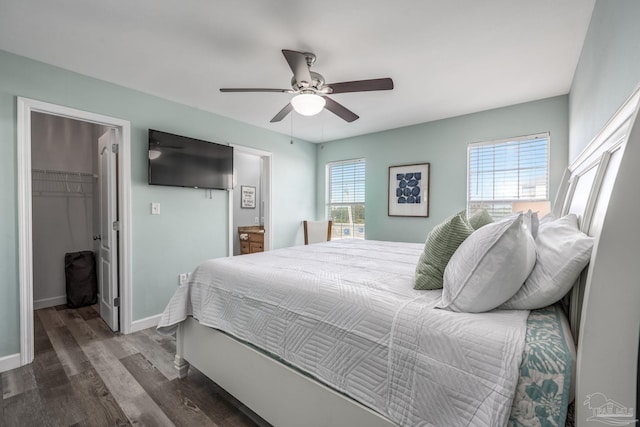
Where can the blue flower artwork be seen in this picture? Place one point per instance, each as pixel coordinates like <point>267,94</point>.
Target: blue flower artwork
<point>408,187</point>
<point>409,190</point>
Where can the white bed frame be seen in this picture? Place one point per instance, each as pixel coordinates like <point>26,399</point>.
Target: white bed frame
<point>602,187</point>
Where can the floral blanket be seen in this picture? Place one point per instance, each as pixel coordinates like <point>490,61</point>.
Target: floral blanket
<point>545,372</point>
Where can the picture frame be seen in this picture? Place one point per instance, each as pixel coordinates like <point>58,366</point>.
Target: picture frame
<point>247,197</point>
<point>409,190</point>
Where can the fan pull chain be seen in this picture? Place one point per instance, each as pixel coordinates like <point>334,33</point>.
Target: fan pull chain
<point>291,130</point>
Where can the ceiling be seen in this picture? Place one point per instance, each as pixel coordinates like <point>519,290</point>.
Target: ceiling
<point>446,57</point>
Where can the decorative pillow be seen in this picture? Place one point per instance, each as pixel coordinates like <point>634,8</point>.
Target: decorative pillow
<point>480,219</point>
<point>563,252</point>
<point>489,267</point>
<point>441,243</point>
<point>547,219</point>
<point>532,222</point>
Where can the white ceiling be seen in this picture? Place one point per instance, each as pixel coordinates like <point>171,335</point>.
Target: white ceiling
<point>446,57</point>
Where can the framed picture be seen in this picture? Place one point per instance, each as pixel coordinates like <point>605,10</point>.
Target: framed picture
<point>409,190</point>
<point>247,197</point>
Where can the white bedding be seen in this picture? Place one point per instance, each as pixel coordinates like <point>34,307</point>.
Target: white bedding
<point>346,313</point>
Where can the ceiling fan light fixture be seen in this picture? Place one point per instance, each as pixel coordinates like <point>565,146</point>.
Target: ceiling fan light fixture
<point>308,104</point>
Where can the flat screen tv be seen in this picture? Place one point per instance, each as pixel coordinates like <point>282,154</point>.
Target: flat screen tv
<point>180,161</point>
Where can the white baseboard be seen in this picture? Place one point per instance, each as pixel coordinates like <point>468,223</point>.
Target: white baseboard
<point>147,322</point>
<point>9,362</point>
<point>49,302</point>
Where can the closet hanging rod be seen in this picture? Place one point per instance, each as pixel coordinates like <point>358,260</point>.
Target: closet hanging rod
<point>47,171</point>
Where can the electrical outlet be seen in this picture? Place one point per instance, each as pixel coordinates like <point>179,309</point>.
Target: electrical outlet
<point>256,220</point>
<point>183,278</point>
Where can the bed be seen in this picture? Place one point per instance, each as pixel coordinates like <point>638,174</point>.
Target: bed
<point>392,358</point>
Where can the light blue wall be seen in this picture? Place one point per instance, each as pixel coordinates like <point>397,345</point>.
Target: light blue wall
<point>192,226</point>
<point>443,144</point>
<point>608,70</point>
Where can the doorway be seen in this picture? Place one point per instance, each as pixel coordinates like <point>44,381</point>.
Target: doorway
<point>114,165</point>
<point>252,169</point>
<point>65,206</point>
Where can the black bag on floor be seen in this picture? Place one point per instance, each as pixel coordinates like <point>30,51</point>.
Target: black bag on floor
<point>82,282</point>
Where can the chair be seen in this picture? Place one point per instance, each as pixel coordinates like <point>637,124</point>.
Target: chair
<point>316,231</point>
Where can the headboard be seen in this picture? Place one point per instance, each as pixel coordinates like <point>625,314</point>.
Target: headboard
<point>602,187</point>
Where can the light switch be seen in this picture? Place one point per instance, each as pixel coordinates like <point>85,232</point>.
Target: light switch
<point>155,208</point>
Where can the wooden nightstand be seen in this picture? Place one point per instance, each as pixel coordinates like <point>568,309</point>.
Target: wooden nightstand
<point>255,239</point>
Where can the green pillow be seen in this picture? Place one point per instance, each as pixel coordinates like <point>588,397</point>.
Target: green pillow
<point>441,243</point>
<point>480,219</point>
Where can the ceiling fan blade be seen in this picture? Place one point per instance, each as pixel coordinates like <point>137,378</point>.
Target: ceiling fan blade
<point>283,113</point>
<point>298,64</point>
<point>340,110</point>
<point>362,85</point>
<point>254,89</point>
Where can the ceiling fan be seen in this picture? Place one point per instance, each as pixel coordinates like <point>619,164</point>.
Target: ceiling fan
<point>311,90</point>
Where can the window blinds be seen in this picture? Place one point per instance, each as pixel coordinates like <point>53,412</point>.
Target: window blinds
<point>346,198</point>
<point>507,171</point>
<point>346,182</point>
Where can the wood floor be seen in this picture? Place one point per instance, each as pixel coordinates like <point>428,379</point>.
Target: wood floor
<point>84,375</point>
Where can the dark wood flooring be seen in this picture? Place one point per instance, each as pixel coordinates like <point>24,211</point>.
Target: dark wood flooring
<point>85,375</point>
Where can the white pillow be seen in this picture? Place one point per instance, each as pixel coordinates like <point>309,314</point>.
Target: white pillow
<point>489,266</point>
<point>563,252</point>
<point>532,221</point>
<point>547,219</point>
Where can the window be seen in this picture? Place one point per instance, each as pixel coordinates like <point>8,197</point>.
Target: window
<point>509,175</point>
<point>345,198</point>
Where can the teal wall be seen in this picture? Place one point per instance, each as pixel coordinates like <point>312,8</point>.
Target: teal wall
<point>192,226</point>
<point>608,70</point>
<point>443,144</point>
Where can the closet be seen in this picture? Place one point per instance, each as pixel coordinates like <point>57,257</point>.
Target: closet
<point>65,205</point>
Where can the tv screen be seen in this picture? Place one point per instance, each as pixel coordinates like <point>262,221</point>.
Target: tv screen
<point>186,162</point>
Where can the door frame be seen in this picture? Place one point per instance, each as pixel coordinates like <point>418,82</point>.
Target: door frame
<point>25,107</point>
<point>266,177</point>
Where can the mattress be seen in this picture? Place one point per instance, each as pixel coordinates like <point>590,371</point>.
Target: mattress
<point>346,313</point>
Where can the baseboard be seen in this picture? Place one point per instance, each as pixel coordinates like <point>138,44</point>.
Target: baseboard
<point>9,362</point>
<point>49,302</point>
<point>147,322</point>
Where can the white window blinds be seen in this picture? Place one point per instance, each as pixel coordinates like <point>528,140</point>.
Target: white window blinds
<point>509,175</point>
<point>346,198</point>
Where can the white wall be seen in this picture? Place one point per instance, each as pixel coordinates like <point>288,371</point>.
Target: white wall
<point>63,212</point>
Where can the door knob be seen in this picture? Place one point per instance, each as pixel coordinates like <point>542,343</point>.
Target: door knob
<point>97,237</point>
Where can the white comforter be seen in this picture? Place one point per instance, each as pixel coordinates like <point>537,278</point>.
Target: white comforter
<point>346,313</point>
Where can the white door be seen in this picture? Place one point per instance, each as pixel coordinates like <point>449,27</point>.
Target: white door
<point>108,254</point>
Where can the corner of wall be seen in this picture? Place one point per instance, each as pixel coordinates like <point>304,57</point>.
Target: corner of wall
<point>607,71</point>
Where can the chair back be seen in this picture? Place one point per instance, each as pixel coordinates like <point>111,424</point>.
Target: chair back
<point>316,231</point>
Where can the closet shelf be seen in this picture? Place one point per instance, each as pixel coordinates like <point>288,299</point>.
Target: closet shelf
<point>62,182</point>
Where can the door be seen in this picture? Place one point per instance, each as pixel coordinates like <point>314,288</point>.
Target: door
<point>108,253</point>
